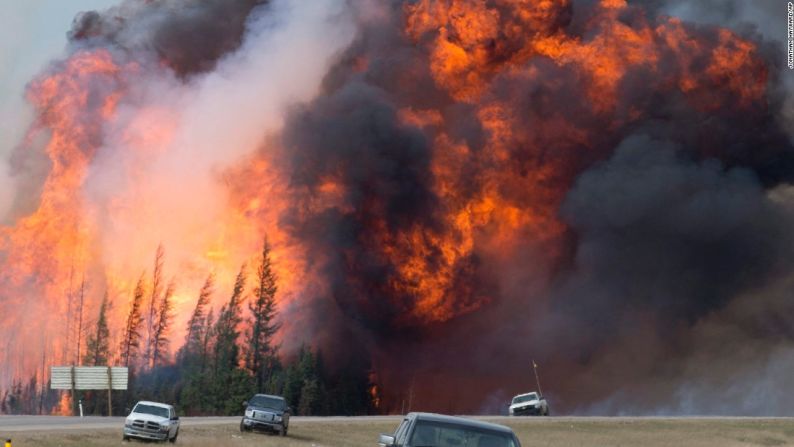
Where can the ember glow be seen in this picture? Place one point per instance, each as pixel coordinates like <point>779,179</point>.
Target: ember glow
<point>451,188</point>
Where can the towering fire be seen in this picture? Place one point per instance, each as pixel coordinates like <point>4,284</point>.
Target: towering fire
<point>452,188</point>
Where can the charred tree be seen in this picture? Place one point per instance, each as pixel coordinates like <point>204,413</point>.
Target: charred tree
<point>131,342</point>
<point>160,341</point>
<point>81,301</point>
<point>154,304</point>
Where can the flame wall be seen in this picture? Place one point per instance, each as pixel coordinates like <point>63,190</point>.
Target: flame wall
<point>452,189</point>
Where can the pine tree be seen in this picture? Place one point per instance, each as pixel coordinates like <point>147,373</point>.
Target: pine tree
<point>259,341</point>
<point>162,326</point>
<point>194,396</point>
<point>131,342</point>
<point>294,378</point>
<point>98,343</point>
<point>209,336</point>
<point>276,379</point>
<point>311,393</point>
<point>310,397</point>
<point>231,384</point>
<point>197,322</point>
<point>97,354</point>
<point>227,330</point>
<point>154,304</point>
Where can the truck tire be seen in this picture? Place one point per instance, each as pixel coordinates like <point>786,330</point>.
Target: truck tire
<point>243,428</point>
<point>125,438</point>
<point>173,440</point>
<point>282,431</point>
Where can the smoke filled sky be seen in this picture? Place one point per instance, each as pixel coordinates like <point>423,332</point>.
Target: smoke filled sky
<point>452,188</point>
<point>32,34</point>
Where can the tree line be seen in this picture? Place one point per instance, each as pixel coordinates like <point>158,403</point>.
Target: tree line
<point>227,355</point>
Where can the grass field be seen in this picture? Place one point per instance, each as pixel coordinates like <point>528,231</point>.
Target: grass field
<point>646,432</point>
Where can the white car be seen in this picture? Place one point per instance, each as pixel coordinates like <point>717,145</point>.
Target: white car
<point>152,420</point>
<point>529,404</point>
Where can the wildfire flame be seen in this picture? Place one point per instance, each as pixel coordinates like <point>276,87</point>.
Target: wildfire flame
<point>491,200</point>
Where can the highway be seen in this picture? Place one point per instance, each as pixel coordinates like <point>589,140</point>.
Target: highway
<point>50,423</point>
<point>47,423</point>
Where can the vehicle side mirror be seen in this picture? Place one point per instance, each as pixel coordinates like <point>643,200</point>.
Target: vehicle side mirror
<point>385,440</point>
<point>127,409</point>
<point>245,403</point>
<point>175,418</point>
<point>288,410</point>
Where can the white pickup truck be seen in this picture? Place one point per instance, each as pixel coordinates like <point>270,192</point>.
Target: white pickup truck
<point>529,404</point>
<point>153,421</point>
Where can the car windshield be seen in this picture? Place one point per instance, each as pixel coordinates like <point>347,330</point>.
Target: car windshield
<point>525,398</point>
<point>267,402</point>
<point>445,434</point>
<point>151,409</point>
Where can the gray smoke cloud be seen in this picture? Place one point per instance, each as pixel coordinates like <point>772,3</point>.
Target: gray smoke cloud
<point>673,223</point>
<point>670,280</point>
<point>669,290</point>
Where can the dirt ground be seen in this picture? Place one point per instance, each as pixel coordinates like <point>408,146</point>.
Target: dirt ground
<point>616,432</point>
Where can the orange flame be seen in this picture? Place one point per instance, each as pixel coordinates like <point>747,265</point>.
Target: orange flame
<point>492,201</point>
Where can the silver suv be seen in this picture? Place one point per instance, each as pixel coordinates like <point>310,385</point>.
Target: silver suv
<point>266,412</point>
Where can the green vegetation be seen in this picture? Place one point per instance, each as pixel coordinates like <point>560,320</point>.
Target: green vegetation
<point>224,360</point>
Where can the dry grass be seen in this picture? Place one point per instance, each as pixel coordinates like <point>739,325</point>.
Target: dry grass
<point>532,432</point>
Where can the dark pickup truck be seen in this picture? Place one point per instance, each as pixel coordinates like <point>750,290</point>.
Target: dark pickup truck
<point>266,412</point>
<point>431,430</point>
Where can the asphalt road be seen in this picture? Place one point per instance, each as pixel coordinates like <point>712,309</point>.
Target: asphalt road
<point>50,423</point>
<point>46,423</point>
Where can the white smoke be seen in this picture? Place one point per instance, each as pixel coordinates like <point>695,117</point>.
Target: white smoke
<point>159,176</point>
<point>32,34</point>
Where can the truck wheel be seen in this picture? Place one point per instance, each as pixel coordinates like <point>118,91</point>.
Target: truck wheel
<point>282,431</point>
<point>125,438</point>
<point>285,430</point>
<point>243,428</point>
<point>173,440</point>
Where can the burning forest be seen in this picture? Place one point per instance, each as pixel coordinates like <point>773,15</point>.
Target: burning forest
<point>449,189</point>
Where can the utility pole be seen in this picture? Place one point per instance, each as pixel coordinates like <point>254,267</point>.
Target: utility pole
<point>537,379</point>
<point>110,391</point>
<point>74,397</point>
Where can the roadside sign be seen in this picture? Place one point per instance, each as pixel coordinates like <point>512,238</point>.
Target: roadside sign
<point>89,377</point>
